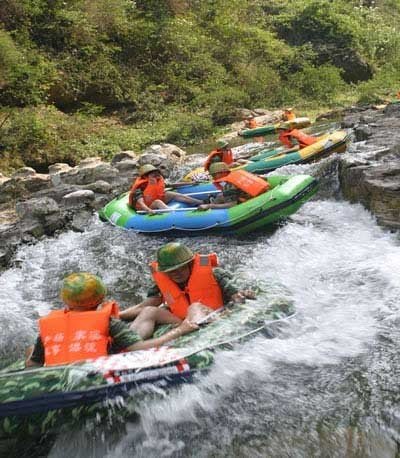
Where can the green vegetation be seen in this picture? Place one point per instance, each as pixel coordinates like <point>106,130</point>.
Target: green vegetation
<point>83,77</point>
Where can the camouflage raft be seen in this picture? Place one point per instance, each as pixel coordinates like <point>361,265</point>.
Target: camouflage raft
<point>37,401</point>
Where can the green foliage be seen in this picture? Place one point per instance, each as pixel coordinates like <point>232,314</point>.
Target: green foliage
<point>382,88</point>
<point>189,129</point>
<point>321,84</point>
<point>176,70</point>
<point>25,76</point>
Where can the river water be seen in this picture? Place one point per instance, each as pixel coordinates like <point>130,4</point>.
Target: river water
<point>325,386</point>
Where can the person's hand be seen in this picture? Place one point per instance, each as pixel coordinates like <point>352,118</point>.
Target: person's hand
<point>241,296</point>
<point>203,207</point>
<point>187,326</point>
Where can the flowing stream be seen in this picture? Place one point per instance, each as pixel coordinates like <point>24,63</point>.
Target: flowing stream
<point>326,385</point>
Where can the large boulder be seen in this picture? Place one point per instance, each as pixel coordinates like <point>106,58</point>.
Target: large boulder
<point>38,207</point>
<point>376,187</point>
<point>393,109</point>
<point>22,184</point>
<point>124,156</point>
<point>88,171</point>
<point>39,216</point>
<point>79,198</point>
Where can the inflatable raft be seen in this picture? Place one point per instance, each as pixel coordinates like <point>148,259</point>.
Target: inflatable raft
<point>296,123</point>
<point>286,195</point>
<point>271,159</point>
<point>37,401</point>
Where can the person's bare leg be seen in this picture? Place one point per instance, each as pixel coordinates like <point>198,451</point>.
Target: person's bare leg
<point>147,319</point>
<point>169,195</point>
<point>158,204</point>
<point>197,312</point>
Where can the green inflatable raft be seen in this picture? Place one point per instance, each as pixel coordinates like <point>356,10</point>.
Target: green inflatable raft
<point>296,123</point>
<point>39,401</point>
<point>285,196</point>
<point>269,160</point>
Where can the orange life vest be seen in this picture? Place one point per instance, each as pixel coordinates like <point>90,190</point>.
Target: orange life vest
<point>69,336</point>
<point>304,140</point>
<point>289,115</point>
<point>201,287</point>
<point>226,156</point>
<point>251,184</point>
<point>151,191</point>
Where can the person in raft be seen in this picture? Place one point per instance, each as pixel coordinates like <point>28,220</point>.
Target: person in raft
<point>237,186</point>
<point>295,139</point>
<point>88,328</point>
<point>190,284</point>
<point>288,114</point>
<point>250,122</point>
<point>222,153</point>
<point>148,191</point>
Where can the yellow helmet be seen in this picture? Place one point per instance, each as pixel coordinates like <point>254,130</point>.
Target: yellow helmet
<point>218,167</point>
<point>147,168</point>
<point>82,289</point>
<point>172,256</point>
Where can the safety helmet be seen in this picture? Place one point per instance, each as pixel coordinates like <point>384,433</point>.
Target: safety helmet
<point>218,167</point>
<point>172,256</point>
<point>222,144</point>
<point>82,289</point>
<point>147,168</point>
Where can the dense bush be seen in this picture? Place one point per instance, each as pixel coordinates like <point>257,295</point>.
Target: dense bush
<point>176,70</point>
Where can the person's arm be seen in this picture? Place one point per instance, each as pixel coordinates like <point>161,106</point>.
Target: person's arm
<point>230,292</point>
<point>35,358</point>
<point>132,312</point>
<point>184,328</point>
<point>142,205</point>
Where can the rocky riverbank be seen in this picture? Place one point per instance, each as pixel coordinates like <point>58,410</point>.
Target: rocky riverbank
<point>34,205</point>
<point>371,173</point>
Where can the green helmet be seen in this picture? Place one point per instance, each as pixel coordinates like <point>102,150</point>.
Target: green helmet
<point>172,256</point>
<point>82,289</point>
<point>222,144</point>
<point>147,168</point>
<point>218,167</point>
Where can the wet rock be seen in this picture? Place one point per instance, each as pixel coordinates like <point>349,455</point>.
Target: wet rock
<point>78,198</point>
<point>100,201</point>
<point>58,168</point>
<point>39,216</point>
<point>127,166</point>
<point>377,187</point>
<point>366,119</point>
<point>20,186</point>
<point>81,220</point>
<point>392,109</point>
<point>101,187</point>
<point>347,124</point>
<point>88,172</point>
<point>89,161</point>
<point>362,133</point>
<point>36,208</point>
<point>124,156</point>
<point>24,172</point>
<point>173,153</point>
